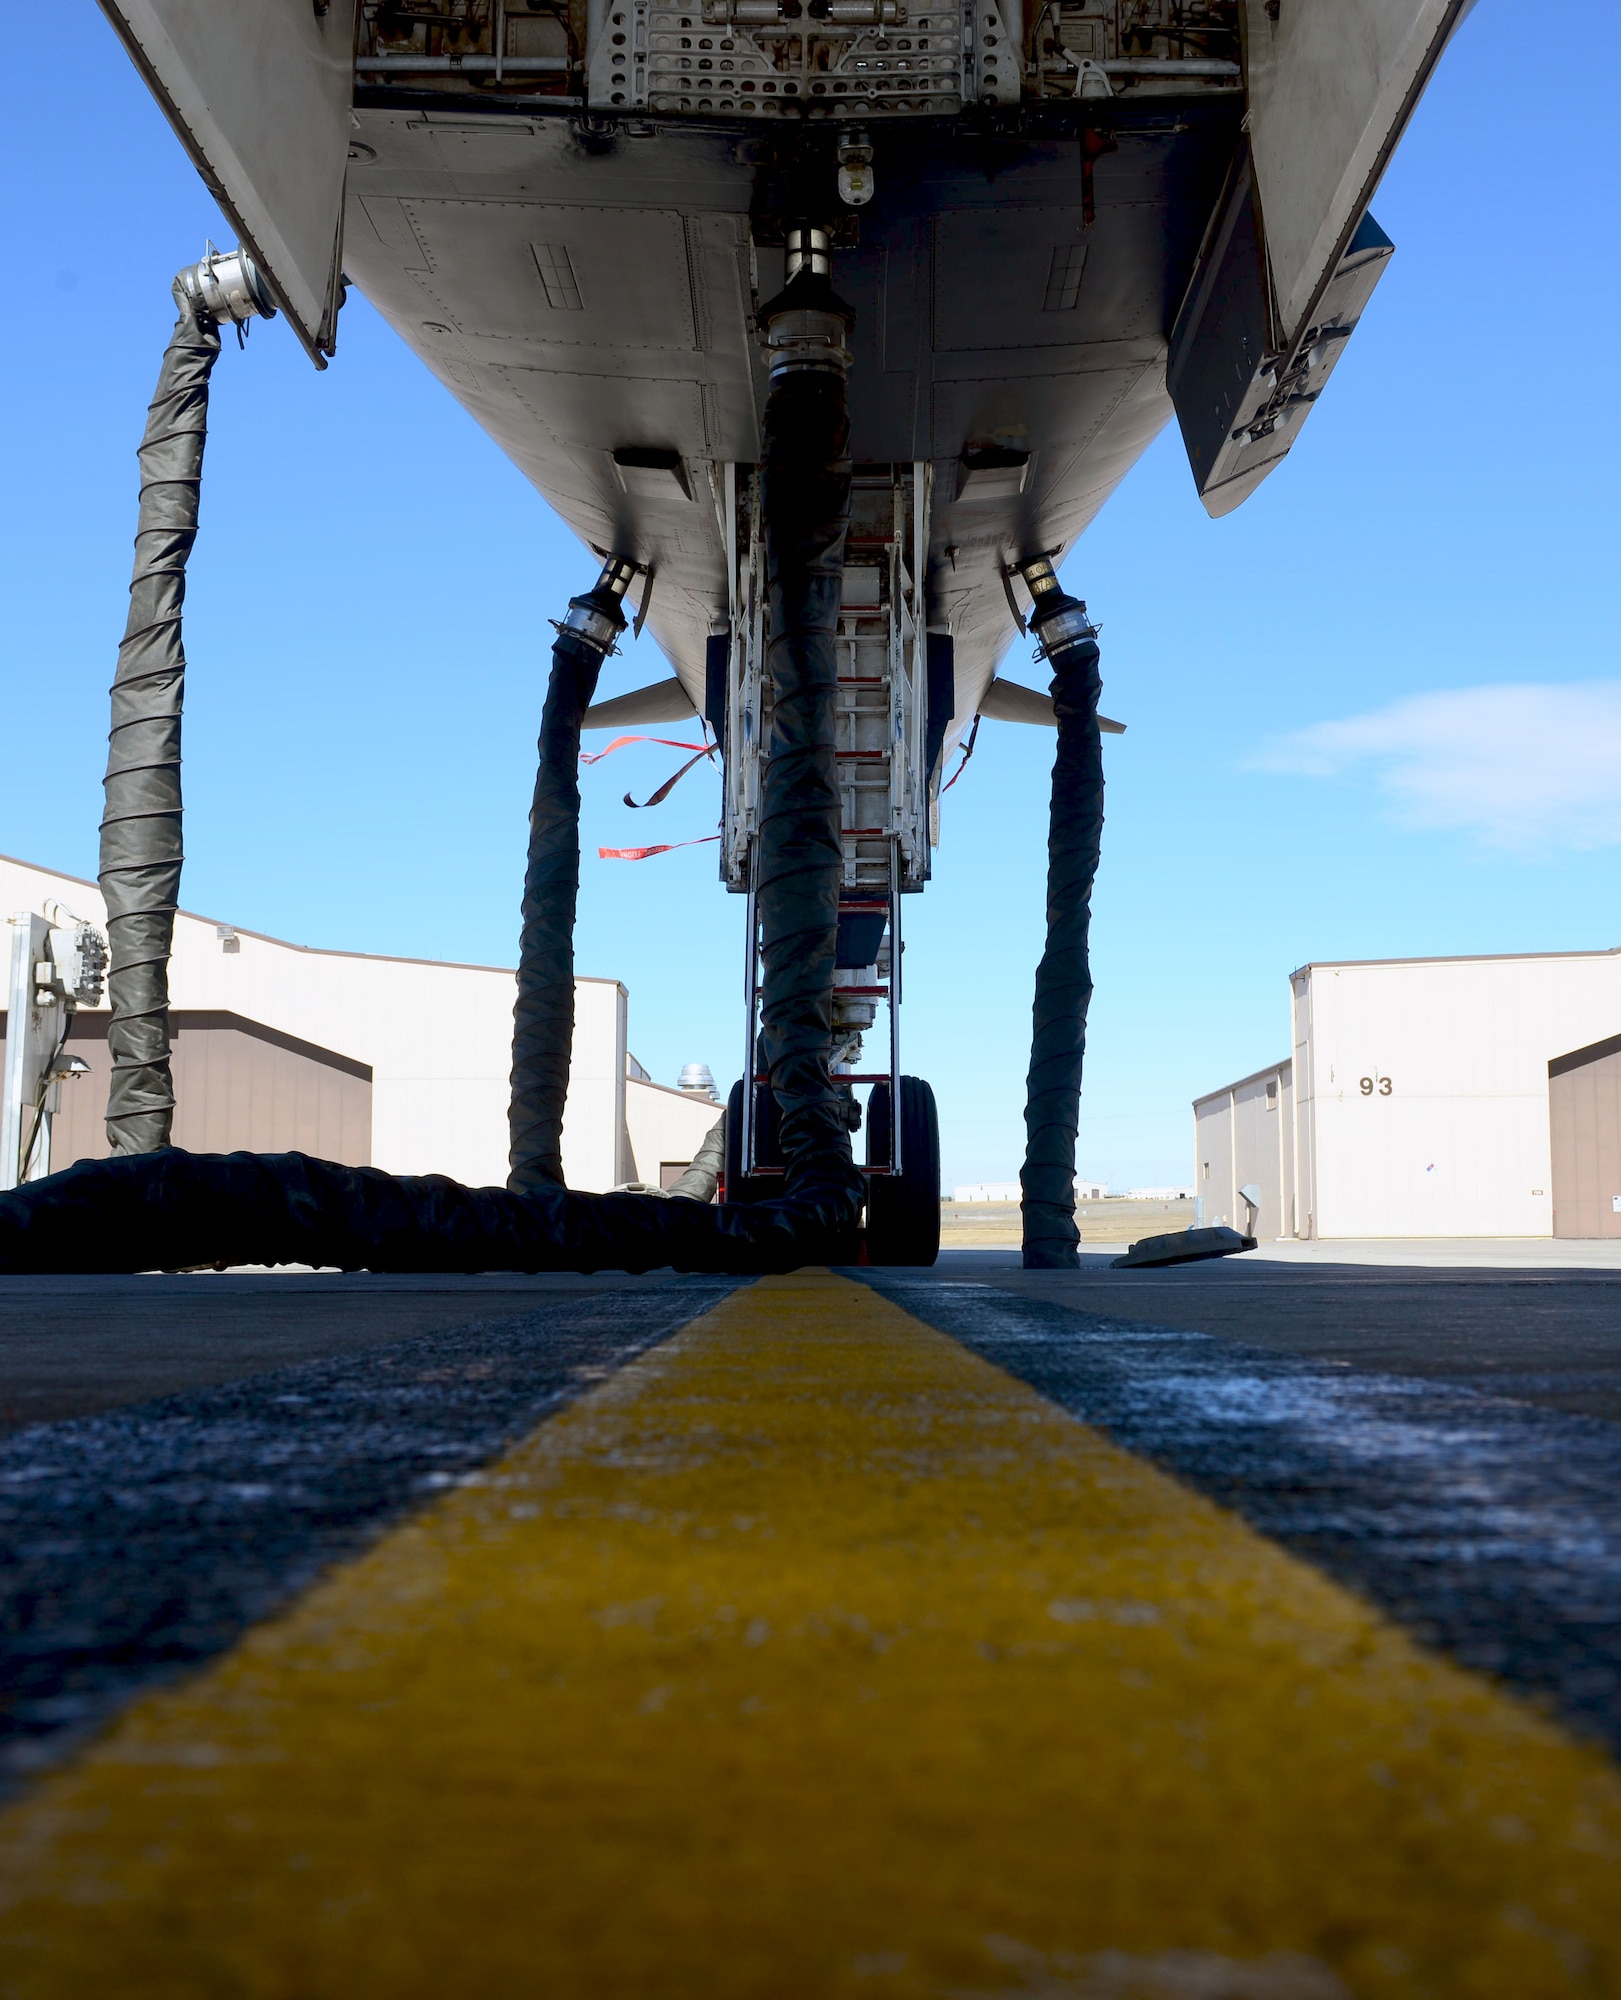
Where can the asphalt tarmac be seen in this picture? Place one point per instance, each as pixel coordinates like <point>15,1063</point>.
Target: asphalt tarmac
<point>946,1635</point>
<point>72,1346</point>
<point>187,1453</point>
<point>189,1486</point>
<point>1551,1337</point>
<point>1443,1442</point>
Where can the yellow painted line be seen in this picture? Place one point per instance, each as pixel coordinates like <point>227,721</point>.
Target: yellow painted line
<point>813,1656</point>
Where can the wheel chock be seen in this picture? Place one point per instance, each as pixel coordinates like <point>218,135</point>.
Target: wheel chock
<point>1184,1246</point>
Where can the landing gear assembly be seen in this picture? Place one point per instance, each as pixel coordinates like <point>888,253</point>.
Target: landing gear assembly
<point>903,1181</point>
<point>891,689</point>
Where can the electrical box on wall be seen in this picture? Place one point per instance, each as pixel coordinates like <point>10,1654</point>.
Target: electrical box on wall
<point>55,963</point>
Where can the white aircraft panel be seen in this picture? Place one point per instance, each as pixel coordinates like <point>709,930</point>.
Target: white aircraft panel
<point>260,93</point>
<point>1331,86</point>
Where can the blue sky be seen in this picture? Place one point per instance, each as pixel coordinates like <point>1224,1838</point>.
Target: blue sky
<point>1377,712</point>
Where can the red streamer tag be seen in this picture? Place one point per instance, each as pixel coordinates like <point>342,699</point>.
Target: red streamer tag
<point>669,784</point>
<point>968,751</point>
<point>646,853</point>
<point>619,742</point>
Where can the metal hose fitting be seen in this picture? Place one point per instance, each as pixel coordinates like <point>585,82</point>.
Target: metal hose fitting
<point>598,618</point>
<point>807,325</point>
<point>1058,621</point>
<point>809,250</point>
<point>226,285</point>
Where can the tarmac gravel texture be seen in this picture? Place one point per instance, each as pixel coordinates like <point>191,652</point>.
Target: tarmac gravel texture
<point>139,1542</point>
<point>72,1346</point>
<point>1550,1337</point>
<point>1488,1526</point>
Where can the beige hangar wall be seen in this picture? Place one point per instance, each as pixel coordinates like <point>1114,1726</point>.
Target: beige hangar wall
<point>435,1037</point>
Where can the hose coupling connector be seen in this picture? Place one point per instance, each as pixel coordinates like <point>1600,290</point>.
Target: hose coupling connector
<point>1058,622</point>
<point>807,340</point>
<point>598,617</point>
<point>807,325</point>
<point>225,286</point>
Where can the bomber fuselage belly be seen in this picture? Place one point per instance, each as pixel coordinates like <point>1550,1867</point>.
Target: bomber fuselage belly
<point>1055,224</point>
<point>591,298</point>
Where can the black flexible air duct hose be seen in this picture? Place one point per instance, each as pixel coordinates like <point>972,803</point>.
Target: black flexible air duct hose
<point>806,504</point>
<point>1064,976</point>
<point>174,1210</point>
<point>141,841</point>
<point>543,1019</point>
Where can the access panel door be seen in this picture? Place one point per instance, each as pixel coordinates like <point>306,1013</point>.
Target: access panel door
<point>1331,86</point>
<point>260,93</point>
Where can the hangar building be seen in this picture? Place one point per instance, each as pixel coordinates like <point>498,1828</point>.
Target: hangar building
<point>1434,1097</point>
<point>391,1062</point>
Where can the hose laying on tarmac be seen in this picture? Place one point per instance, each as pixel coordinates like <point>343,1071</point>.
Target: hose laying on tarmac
<point>174,1210</point>
<point>1064,976</point>
<point>702,1176</point>
<point>543,1019</point>
<point>141,827</point>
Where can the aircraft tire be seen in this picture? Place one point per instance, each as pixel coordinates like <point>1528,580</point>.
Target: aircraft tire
<point>903,1210</point>
<point>767,1146</point>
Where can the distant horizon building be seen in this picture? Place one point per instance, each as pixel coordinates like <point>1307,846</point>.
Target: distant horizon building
<point>1085,1190</point>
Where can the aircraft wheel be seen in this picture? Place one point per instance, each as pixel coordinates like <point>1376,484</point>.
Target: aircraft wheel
<point>767,1146</point>
<point>903,1210</point>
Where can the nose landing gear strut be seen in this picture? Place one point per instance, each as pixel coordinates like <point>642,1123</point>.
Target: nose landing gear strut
<point>828,701</point>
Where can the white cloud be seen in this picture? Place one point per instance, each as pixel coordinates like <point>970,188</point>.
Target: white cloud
<point>1518,767</point>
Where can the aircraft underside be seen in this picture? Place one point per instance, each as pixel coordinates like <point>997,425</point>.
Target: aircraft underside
<point>829,325</point>
<point>439,1621</point>
<point>592,298</point>
<point>1056,222</point>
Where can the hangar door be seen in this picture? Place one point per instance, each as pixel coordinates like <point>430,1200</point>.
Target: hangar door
<point>1584,1117</point>
<point>238,1086</point>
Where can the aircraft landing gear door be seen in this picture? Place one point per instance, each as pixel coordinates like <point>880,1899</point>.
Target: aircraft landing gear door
<point>1330,91</point>
<point>260,93</point>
